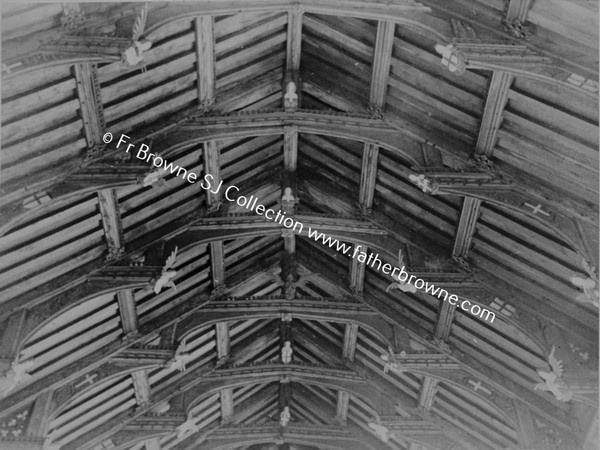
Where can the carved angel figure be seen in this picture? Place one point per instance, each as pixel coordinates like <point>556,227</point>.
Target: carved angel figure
<point>166,276</point>
<point>285,416</point>
<point>404,287</point>
<point>17,374</point>
<point>453,59</point>
<point>553,381</point>
<point>152,178</point>
<point>423,183</point>
<point>189,426</point>
<point>589,285</point>
<point>287,201</point>
<point>290,98</point>
<point>134,54</point>
<point>382,432</point>
<point>180,359</point>
<point>391,362</point>
<point>286,352</point>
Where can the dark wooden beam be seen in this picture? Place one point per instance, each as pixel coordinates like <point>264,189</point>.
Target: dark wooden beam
<point>90,102</point>
<point>351,438</point>
<point>294,40</point>
<point>205,60</point>
<point>518,10</point>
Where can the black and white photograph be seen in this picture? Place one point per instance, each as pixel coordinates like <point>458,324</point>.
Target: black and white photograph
<point>299,225</point>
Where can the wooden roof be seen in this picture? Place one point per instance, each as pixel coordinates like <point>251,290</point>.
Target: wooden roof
<point>93,358</point>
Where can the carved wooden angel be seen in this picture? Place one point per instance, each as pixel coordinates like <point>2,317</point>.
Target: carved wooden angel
<point>391,362</point>
<point>166,276</point>
<point>153,178</point>
<point>553,381</point>
<point>286,352</point>
<point>423,183</point>
<point>382,432</point>
<point>285,416</point>
<point>15,375</point>
<point>288,201</point>
<point>290,98</point>
<point>134,54</point>
<point>589,285</point>
<point>403,286</point>
<point>454,60</point>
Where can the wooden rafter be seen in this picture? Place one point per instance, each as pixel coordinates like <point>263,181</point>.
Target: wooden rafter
<point>518,10</point>
<point>212,166</point>
<point>205,60</point>
<point>379,81</point>
<point>294,40</point>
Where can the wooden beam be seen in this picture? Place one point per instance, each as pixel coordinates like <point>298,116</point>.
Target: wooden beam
<point>152,444</point>
<point>518,10</point>
<point>141,387</point>
<point>382,58</point>
<point>506,388</point>
<point>89,363</point>
<point>350,438</point>
<point>111,222</point>
<point>368,177</point>
<point>128,311</point>
<point>39,415</point>
<point>294,40</point>
<point>444,323</point>
<point>491,119</point>
<point>205,60</point>
<point>427,393</point>
<point>113,231</point>
<point>349,346</point>
<point>90,102</point>
<point>466,227</point>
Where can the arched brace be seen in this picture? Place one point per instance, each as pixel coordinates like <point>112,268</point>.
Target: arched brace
<point>84,48</point>
<point>40,315</point>
<point>319,436</point>
<point>83,181</point>
<point>459,378</point>
<point>414,16</point>
<point>342,380</point>
<point>385,244</point>
<point>335,311</point>
<point>125,439</point>
<point>333,444</point>
<point>79,184</point>
<point>105,374</point>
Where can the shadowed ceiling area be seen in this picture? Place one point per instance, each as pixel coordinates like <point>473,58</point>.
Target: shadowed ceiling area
<point>142,311</point>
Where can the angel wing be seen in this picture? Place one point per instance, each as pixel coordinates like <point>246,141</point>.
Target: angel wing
<point>556,365</point>
<point>583,283</point>
<point>400,258</point>
<point>171,260</point>
<point>140,24</point>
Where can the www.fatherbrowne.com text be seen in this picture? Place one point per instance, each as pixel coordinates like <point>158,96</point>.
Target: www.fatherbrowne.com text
<point>251,203</point>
